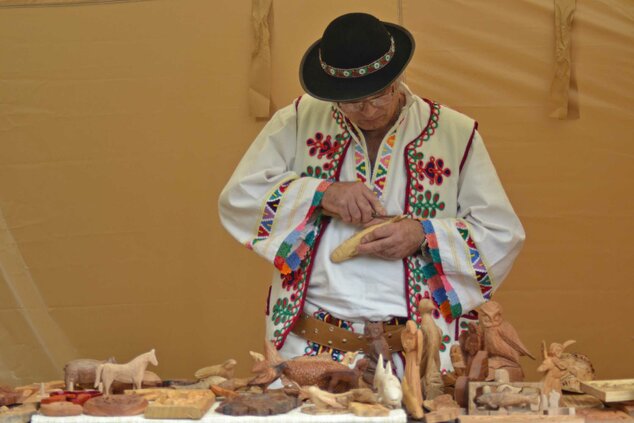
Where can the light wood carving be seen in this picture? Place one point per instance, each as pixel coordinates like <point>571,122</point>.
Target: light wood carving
<point>348,248</point>
<point>224,370</point>
<point>414,409</point>
<point>180,404</point>
<point>432,385</point>
<point>501,342</point>
<point>387,385</point>
<point>133,370</point>
<point>412,340</point>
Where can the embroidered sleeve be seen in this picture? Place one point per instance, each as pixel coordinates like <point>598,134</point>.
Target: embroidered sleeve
<point>266,205</point>
<point>472,253</point>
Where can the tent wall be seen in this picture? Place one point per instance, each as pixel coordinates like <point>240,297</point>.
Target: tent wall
<point>120,124</point>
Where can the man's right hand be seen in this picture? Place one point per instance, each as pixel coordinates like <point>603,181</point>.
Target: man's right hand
<point>352,202</point>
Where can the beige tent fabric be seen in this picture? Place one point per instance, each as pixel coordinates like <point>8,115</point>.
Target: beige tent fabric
<point>116,138</point>
<point>559,90</point>
<point>51,3</point>
<point>260,75</point>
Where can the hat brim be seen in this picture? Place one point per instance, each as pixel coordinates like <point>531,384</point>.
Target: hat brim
<point>319,84</point>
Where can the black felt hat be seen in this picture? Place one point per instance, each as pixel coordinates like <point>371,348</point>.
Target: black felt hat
<point>358,56</point>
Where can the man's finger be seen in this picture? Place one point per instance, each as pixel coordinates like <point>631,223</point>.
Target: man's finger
<point>374,202</point>
<point>373,222</point>
<point>372,247</point>
<point>344,214</point>
<point>366,209</point>
<point>355,213</point>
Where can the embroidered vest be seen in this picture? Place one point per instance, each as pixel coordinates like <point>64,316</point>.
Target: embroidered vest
<point>433,141</point>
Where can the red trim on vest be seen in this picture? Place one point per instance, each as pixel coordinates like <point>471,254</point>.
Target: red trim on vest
<point>406,205</point>
<point>297,103</point>
<point>466,150</point>
<point>268,301</point>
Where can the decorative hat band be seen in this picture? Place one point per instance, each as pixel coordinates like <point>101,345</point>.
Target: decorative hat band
<point>379,63</point>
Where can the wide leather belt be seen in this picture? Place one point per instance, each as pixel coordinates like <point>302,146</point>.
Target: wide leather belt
<point>332,336</point>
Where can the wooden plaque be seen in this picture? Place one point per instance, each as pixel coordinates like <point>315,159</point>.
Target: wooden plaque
<point>610,390</point>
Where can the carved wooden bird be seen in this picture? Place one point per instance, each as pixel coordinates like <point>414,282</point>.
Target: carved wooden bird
<point>500,337</point>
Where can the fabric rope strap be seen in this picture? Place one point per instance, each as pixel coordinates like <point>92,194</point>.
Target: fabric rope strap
<point>378,64</point>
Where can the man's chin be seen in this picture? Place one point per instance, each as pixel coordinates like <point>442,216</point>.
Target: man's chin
<point>370,125</point>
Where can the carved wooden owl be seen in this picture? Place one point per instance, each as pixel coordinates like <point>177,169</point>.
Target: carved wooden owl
<point>500,337</point>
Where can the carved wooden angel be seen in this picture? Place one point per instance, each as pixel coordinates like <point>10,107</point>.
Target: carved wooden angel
<point>430,360</point>
<point>412,340</point>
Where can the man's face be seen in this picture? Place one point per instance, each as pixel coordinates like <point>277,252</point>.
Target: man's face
<point>374,112</point>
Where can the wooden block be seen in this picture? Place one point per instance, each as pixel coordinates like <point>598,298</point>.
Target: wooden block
<point>626,407</point>
<point>20,414</point>
<point>442,415</point>
<point>190,404</point>
<point>61,409</point>
<point>258,404</point>
<point>9,396</point>
<point>368,410</point>
<point>149,394</point>
<point>597,415</point>
<point>616,390</point>
<point>115,405</point>
<point>530,391</point>
<point>521,418</point>
<point>580,401</point>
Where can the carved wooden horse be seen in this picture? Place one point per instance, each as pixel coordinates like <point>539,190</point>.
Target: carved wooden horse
<point>131,372</point>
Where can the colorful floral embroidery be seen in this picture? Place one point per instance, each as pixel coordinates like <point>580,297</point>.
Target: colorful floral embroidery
<point>417,207</point>
<point>268,215</point>
<point>434,170</point>
<point>477,262</point>
<point>328,148</point>
<point>321,147</point>
<point>282,311</point>
<point>415,283</point>
<point>445,340</point>
<point>426,204</point>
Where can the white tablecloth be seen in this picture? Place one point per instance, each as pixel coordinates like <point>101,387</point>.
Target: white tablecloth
<point>396,416</point>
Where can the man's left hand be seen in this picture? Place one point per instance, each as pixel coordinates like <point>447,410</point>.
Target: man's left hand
<point>394,241</point>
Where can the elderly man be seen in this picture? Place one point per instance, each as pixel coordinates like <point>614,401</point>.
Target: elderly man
<point>358,147</point>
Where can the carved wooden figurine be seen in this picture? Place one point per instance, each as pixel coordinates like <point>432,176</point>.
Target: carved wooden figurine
<point>412,340</point>
<point>387,385</point>
<point>413,408</point>
<point>502,342</point>
<point>302,370</point>
<point>503,400</point>
<point>432,384</point>
<point>577,367</point>
<point>373,332</point>
<point>475,359</point>
<point>553,369</point>
<point>82,372</point>
<point>224,370</point>
<point>346,379</point>
<point>132,371</point>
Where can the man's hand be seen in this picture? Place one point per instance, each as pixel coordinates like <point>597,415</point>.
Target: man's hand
<point>394,241</point>
<point>353,202</point>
